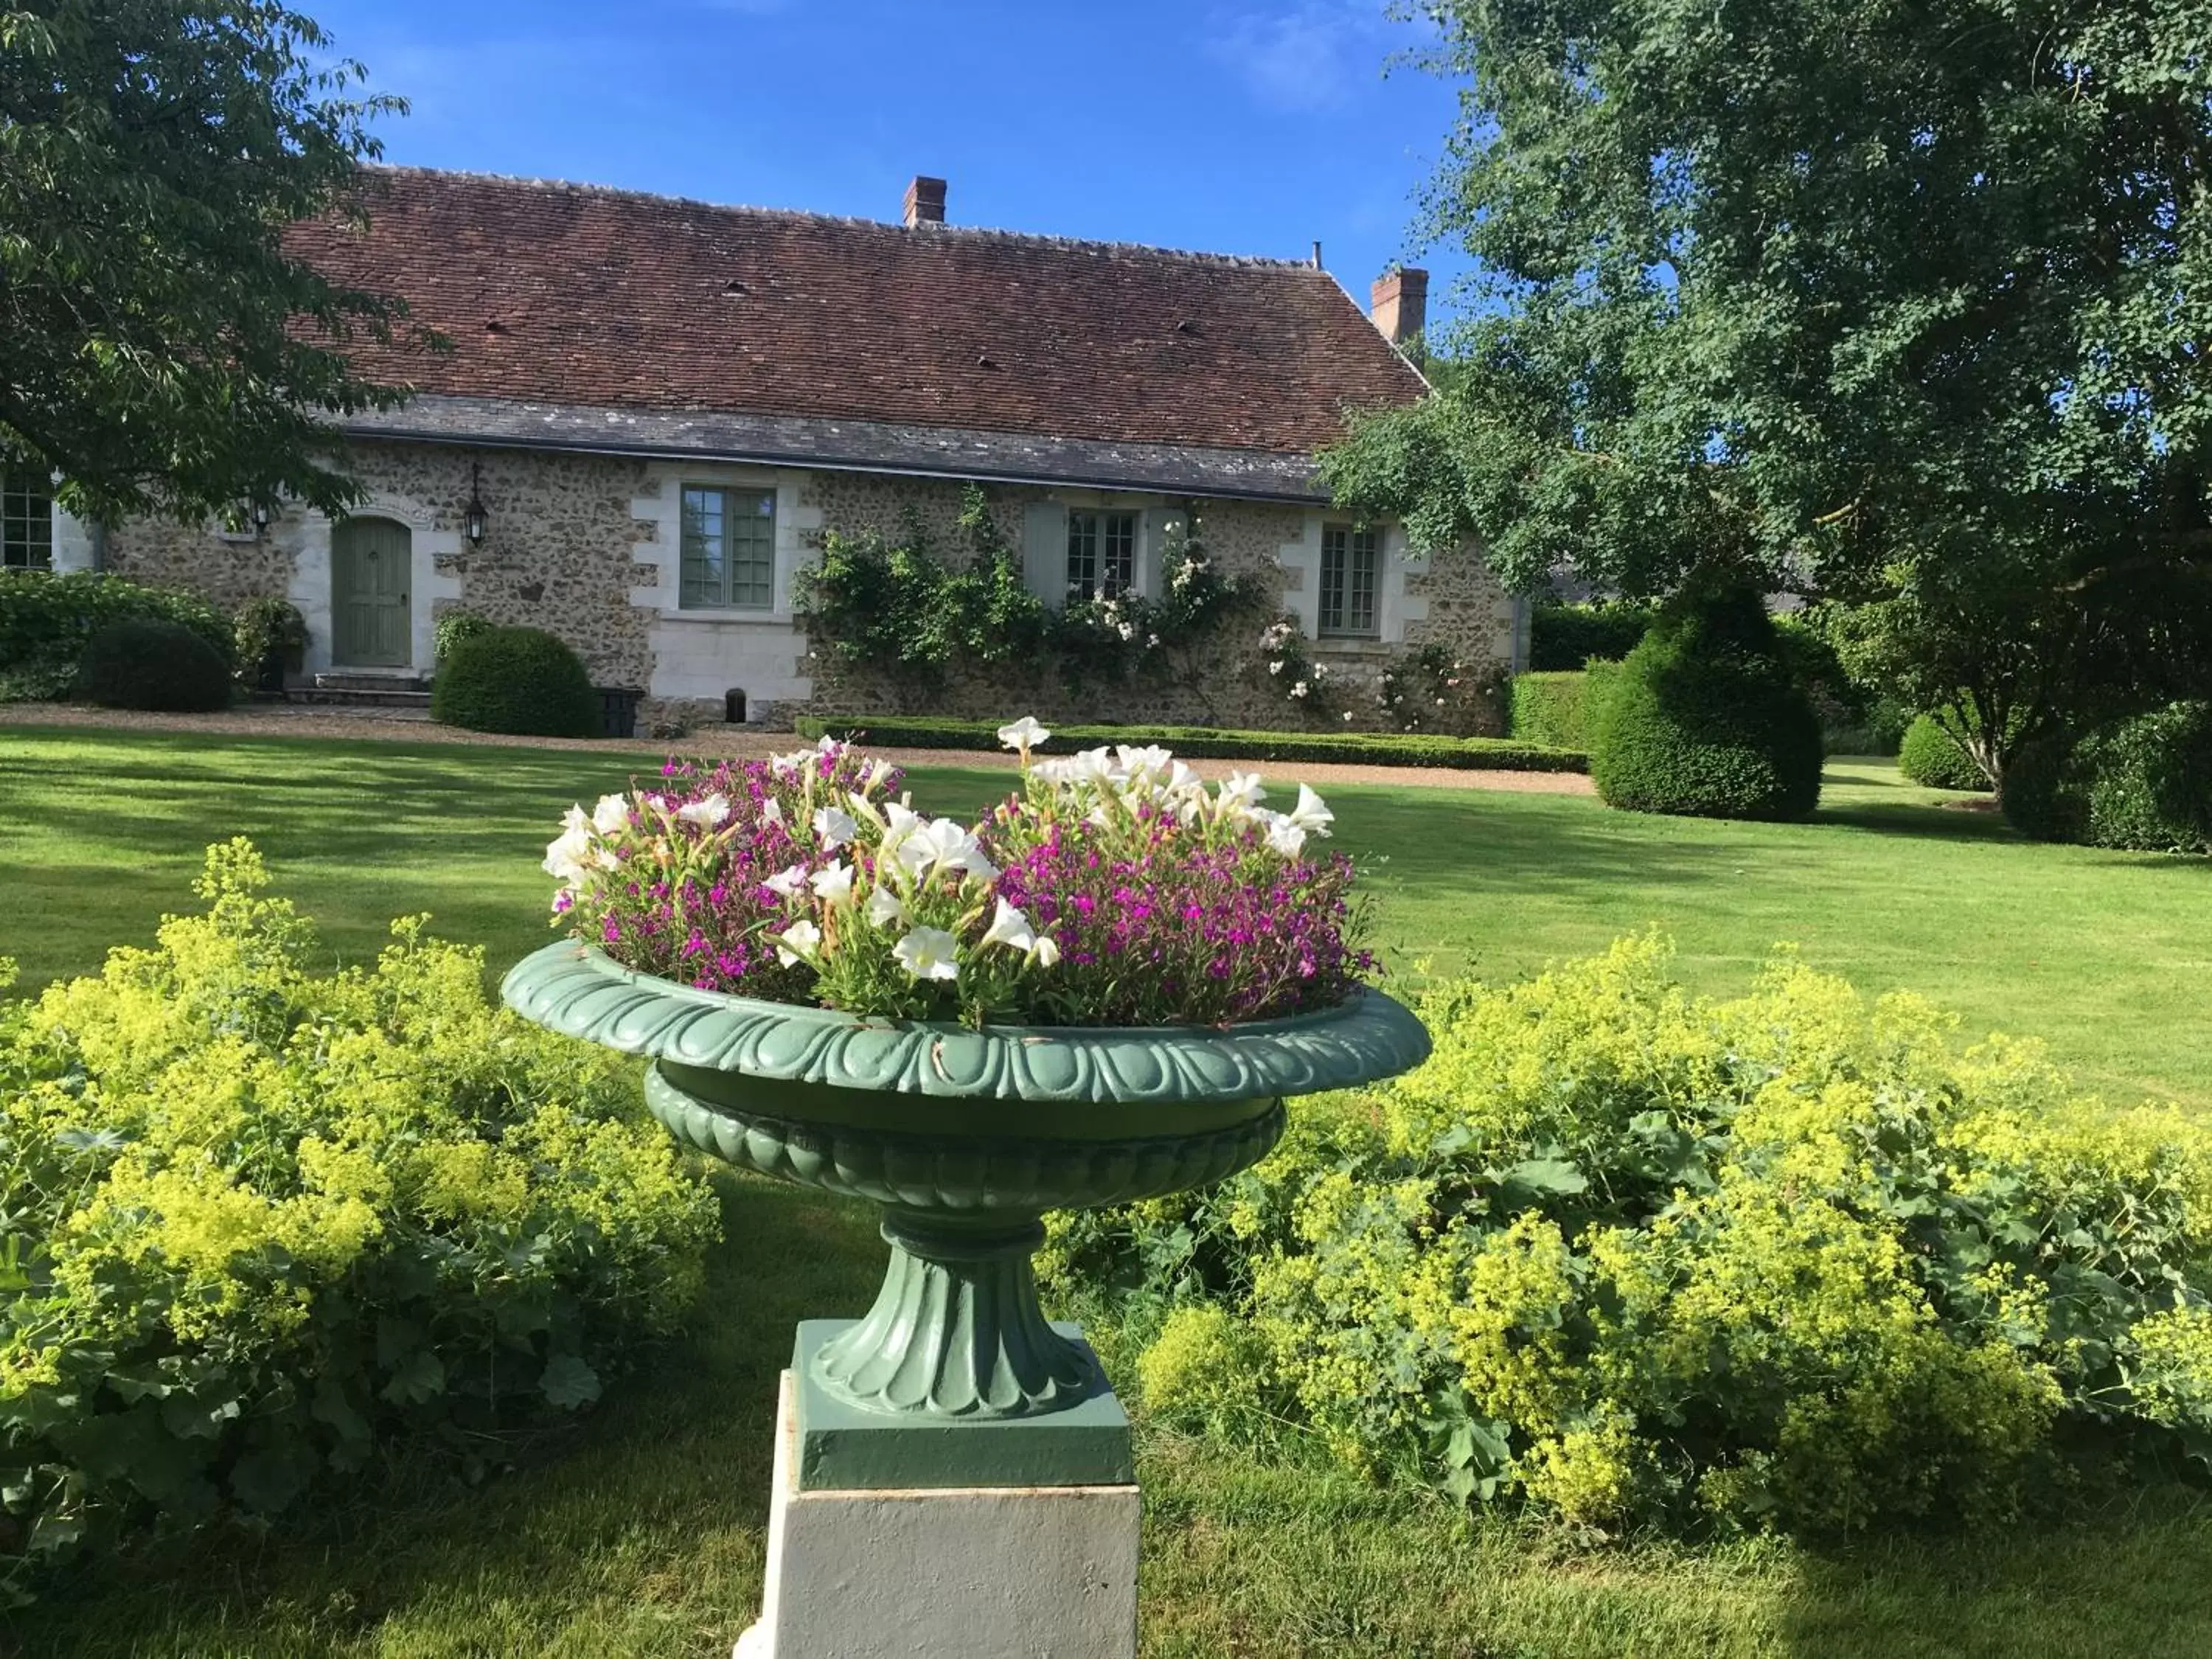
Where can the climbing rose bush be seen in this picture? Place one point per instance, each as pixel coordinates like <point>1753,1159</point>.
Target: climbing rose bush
<point>257,1222</point>
<point>1791,1260</point>
<point>1114,888</point>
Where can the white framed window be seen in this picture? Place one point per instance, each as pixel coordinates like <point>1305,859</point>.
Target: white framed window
<point>727,554</point>
<point>1350,576</point>
<point>1101,553</point>
<point>26,522</point>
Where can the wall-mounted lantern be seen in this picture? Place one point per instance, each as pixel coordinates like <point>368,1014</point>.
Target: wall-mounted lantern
<point>473,524</point>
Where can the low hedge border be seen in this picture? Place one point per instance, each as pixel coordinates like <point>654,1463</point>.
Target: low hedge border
<point>1206,743</point>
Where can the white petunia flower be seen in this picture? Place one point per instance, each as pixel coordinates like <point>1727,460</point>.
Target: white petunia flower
<point>771,810</point>
<point>884,909</point>
<point>1010,928</point>
<point>833,885</point>
<point>787,881</point>
<point>835,826</point>
<point>611,814</point>
<point>797,942</point>
<point>1310,813</point>
<point>1284,836</point>
<point>1243,788</point>
<point>565,855</point>
<point>706,813</point>
<point>1045,953</point>
<point>873,778</point>
<point>943,844</point>
<point>928,953</point>
<point>1024,734</point>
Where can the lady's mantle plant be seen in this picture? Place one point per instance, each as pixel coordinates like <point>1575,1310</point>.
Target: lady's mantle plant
<point>1114,888</point>
<point>257,1222</point>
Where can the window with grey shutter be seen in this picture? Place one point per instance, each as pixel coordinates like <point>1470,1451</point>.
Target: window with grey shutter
<point>1101,553</point>
<point>1351,572</point>
<point>728,553</point>
<point>26,523</point>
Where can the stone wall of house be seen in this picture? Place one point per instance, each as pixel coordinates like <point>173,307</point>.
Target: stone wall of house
<point>570,543</point>
<point>1227,684</point>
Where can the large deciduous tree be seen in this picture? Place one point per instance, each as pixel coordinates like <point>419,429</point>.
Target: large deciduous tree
<point>1900,301</point>
<point>158,351</point>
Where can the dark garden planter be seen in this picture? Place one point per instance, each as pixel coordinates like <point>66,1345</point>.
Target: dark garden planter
<point>963,1139</point>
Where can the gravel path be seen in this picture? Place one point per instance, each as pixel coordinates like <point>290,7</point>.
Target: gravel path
<point>405,726</point>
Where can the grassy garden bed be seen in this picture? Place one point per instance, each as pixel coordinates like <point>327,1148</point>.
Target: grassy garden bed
<point>640,1530</point>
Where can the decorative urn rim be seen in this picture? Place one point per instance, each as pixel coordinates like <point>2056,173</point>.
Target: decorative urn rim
<point>576,989</point>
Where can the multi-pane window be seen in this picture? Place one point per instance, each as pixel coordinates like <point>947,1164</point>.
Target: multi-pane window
<point>729,549</point>
<point>1350,570</point>
<point>26,523</point>
<point>1102,554</point>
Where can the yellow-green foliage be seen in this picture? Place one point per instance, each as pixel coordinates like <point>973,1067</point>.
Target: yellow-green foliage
<point>257,1219</point>
<point>1792,1259</point>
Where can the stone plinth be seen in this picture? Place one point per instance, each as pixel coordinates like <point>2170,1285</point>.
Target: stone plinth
<point>941,1572</point>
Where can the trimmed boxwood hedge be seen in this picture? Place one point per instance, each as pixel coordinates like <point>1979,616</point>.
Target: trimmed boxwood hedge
<point>2142,785</point>
<point>1204,742</point>
<point>1704,719</point>
<point>1930,756</point>
<point>158,665</point>
<point>1555,709</point>
<point>521,681</point>
<point>1563,638</point>
<point>48,618</point>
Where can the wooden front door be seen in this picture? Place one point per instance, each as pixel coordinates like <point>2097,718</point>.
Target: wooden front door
<point>371,626</point>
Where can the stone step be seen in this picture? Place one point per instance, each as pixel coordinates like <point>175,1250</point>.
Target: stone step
<point>340,679</point>
<point>354,697</point>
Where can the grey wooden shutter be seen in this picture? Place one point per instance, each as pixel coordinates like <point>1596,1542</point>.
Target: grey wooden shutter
<point>1152,550</point>
<point>1044,551</point>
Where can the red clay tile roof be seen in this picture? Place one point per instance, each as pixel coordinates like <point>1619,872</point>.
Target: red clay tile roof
<point>584,296</point>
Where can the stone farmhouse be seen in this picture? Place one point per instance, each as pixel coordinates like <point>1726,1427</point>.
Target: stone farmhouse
<point>653,409</point>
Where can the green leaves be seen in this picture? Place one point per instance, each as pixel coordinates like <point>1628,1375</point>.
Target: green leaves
<point>165,352</point>
<point>263,1222</point>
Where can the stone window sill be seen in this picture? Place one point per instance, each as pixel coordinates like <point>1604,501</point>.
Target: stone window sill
<point>731,617</point>
<point>1334,645</point>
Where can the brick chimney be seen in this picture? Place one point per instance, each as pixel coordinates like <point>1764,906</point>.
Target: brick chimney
<point>1399,304</point>
<point>925,202</point>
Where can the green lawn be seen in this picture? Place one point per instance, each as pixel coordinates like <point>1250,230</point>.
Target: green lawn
<point>640,1533</point>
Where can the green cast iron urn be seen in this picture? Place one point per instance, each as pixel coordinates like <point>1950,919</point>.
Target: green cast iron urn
<point>964,1139</point>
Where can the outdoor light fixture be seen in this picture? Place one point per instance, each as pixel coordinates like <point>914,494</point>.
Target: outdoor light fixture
<point>473,525</point>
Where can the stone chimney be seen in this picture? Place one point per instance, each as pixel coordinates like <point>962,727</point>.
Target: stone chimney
<point>925,202</point>
<point>1399,303</point>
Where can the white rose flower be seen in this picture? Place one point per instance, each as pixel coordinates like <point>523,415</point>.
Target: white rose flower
<point>884,909</point>
<point>1300,689</point>
<point>835,826</point>
<point>787,883</point>
<point>797,942</point>
<point>1274,668</point>
<point>833,885</point>
<point>611,814</point>
<point>1010,928</point>
<point>928,953</point>
<point>706,813</point>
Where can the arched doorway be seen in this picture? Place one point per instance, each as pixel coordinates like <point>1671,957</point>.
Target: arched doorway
<point>371,626</point>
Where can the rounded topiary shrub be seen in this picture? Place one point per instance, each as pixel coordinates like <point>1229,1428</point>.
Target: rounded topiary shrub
<point>1704,719</point>
<point>1931,757</point>
<point>2150,781</point>
<point>517,680</point>
<point>2040,798</point>
<point>159,665</point>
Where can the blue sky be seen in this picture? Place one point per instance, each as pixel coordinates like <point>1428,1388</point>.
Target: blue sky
<point>1253,126</point>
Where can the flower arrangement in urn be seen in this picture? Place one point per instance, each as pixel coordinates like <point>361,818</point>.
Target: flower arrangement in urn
<point>1116,887</point>
<point>1100,991</point>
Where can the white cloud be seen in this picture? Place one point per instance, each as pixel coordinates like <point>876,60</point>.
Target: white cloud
<point>1314,54</point>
